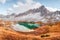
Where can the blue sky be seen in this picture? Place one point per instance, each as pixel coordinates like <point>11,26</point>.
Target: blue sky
<point>6,4</point>
<point>50,3</point>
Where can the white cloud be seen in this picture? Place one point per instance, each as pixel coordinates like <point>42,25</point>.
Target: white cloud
<point>52,9</point>
<point>2,1</point>
<point>22,7</point>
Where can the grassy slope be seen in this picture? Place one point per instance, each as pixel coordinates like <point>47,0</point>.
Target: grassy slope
<point>40,33</point>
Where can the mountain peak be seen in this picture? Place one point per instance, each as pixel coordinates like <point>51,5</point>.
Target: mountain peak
<point>38,14</point>
<point>42,6</point>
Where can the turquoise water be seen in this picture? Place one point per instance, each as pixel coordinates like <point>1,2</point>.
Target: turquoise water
<point>30,25</point>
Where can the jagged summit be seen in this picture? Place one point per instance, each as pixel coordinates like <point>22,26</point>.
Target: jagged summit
<point>37,14</point>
